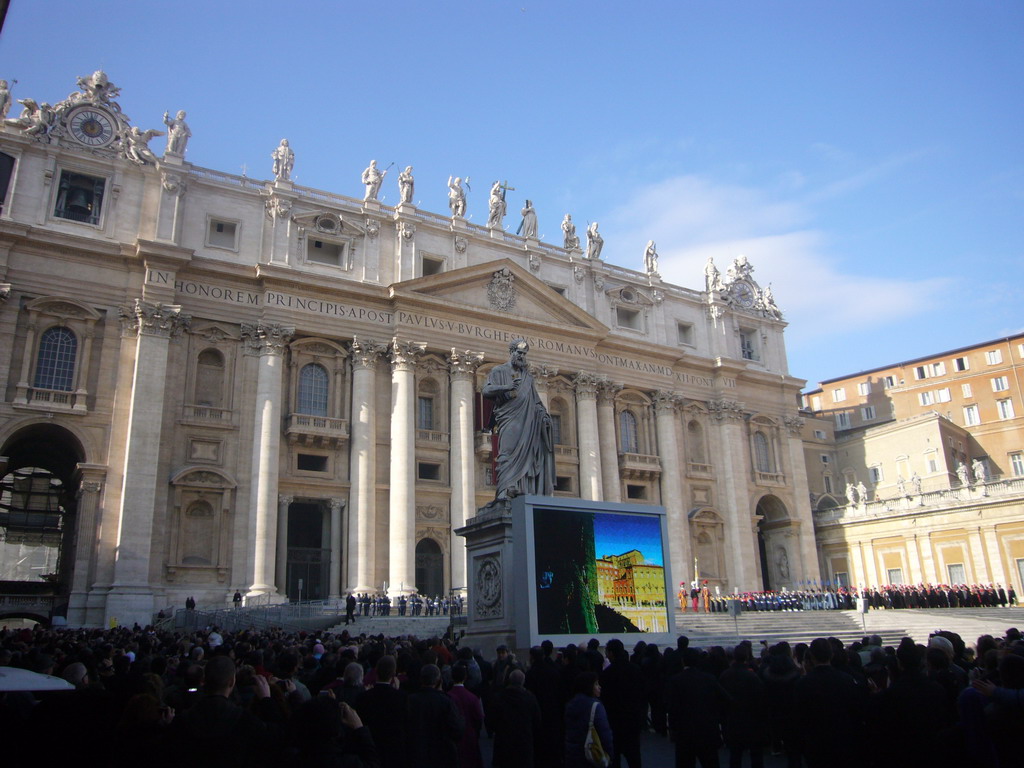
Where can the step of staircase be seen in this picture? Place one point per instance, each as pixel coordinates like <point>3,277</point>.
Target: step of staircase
<point>393,626</point>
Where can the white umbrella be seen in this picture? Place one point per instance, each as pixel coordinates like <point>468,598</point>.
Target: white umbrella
<point>14,679</point>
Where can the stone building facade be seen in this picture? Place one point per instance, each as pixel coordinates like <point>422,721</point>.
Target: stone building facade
<point>224,383</point>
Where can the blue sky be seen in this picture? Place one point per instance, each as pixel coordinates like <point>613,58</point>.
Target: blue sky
<point>618,534</point>
<point>866,157</point>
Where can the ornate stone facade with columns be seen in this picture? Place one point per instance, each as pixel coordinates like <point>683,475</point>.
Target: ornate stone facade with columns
<point>242,383</point>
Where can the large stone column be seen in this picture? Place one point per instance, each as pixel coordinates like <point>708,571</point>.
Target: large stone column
<point>90,490</point>
<point>995,553</point>
<point>463,367</point>
<point>610,480</point>
<point>586,431</point>
<point>281,571</point>
<point>680,549</point>
<point>796,474</point>
<point>333,591</point>
<point>402,507</point>
<point>267,341</point>
<point>363,467</point>
<point>732,474</point>
<point>152,326</point>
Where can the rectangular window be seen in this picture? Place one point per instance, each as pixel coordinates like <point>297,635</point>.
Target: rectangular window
<point>824,458</point>
<point>942,395</point>
<point>864,388</point>
<point>867,413</point>
<point>748,345</point>
<point>627,318</point>
<point>1005,408</point>
<point>307,462</point>
<point>926,398</point>
<point>425,413</point>
<point>819,434</point>
<point>636,491</point>
<point>79,197</point>
<point>839,395</point>
<point>956,573</point>
<point>324,252</point>
<point>920,372</point>
<point>933,465</point>
<point>889,382</point>
<point>972,416</point>
<point>1000,384</point>
<point>938,369</point>
<point>895,575</point>
<point>816,402</point>
<point>1017,464</point>
<point>843,420</point>
<point>841,578</point>
<point>961,364</point>
<point>965,390</point>
<point>562,484</point>
<point>876,474</point>
<point>685,334</point>
<point>431,266</point>
<point>827,482</point>
<point>222,234</point>
<point>426,470</point>
<point>994,356</point>
<point>556,429</point>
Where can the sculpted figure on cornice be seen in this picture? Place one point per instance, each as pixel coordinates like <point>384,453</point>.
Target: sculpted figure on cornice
<point>135,145</point>
<point>178,133</point>
<point>284,161</point>
<point>5,99</point>
<point>406,185</point>
<point>569,239</point>
<point>496,206</point>
<point>35,119</point>
<point>595,243</point>
<point>651,258</point>
<point>372,178</point>
<point>456,196</point>
<point>528,226</point>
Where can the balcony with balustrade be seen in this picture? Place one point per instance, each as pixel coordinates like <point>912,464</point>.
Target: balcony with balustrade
<point>316,431</point>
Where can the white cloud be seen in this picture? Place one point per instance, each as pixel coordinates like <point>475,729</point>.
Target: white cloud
<point>694,217</point>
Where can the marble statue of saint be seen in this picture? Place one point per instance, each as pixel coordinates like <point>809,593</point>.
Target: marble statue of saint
<point>405,185</point>
<point>769,305</point>
<point>495,206</point>
<point>782,561</point>
<point>526,461</point>
<point>135,143</point>
<point>712,277</point>
<point>594,242</point>
<point>528,226</point>
<point>284,161</point>
<point>569,239</point>
<point>5,99</point>
<point>961,472</point>
<point>915,481</point>
<point>178,133</point>
<point>456,196</point>
<point>978,467</point>
<point>651,258</point>
<point>372,178</point>
<point>901,486</point>
<point>862,492</point>
<point>851,493</point>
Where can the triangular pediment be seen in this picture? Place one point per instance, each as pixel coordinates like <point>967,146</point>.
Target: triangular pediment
<point>498,289</point>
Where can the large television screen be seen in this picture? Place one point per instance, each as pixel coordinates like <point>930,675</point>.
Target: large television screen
<point>593,569</point>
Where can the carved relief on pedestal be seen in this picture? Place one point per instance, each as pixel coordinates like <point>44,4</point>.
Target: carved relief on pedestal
<point>487,577</point>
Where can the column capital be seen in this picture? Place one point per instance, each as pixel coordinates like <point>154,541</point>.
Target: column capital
<point>266,338</point>
<point>666,401</point>
<point>794,424</point>
<point>366,353</point>
<point>403,354</point>
<point>337,505</point>
<point>463,365</point>
<point>283,502</point>
<point>586,385</point>
<point>607,391</point>
<point>146,319</point>
<point>723,410</point>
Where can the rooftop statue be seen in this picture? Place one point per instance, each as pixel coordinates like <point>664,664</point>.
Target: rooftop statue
<point>372,178</point>
<point>569,239</point>
<point>496,206</point>
<point>594,242</point>
<point>284,161</point>
<point>651,258</point>
<point>528,226</point>
<point>178,133</point>
<point>456,196</point>
<point>406,184</point>
<point>526,461</point>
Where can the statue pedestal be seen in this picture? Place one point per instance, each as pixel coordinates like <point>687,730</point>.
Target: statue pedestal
<point>497,233</point>
<point>531,243</point>
<point>371,206</point>
<point>172,158</point>
<point>459,224</point>
<point>405,208</point>
<point>489,570</point>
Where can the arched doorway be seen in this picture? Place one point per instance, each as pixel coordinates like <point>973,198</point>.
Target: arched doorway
<point>776,560</point>
<point>429,568</point>
<point>38,510</point>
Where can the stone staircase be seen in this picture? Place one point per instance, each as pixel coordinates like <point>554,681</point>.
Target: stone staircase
<point>706,629</point>
<point>423,627</point>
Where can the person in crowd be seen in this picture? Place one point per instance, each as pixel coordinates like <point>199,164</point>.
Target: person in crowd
<point>583,710</point>
<point>514,718</point>
<point>435,725</point>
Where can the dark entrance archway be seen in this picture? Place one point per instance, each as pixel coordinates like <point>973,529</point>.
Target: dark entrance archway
<point>309,561</point>
<point>773,520</point>
<point>429,568</point>
<point>38,514</point>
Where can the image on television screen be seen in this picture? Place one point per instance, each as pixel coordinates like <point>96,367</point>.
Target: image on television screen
<point>598,572</point>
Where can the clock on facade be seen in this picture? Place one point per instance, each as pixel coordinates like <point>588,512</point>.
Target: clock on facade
<point>91,126</point>
<point>743,293</point>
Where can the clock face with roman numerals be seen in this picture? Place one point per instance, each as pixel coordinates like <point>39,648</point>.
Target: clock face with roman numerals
<point>92,127</point>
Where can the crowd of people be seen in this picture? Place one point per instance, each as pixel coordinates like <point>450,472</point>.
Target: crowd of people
<point>380,604</point>
<point>845,598</point>
<point>270,697</point>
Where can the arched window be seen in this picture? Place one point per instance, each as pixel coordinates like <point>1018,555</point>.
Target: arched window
<point>198,534</point>
<point>695,443</point>
<point>210,378</point>
<point>313,390</point>
<point>55,365</point>
<point>762,453</point>
<point>627,433</point>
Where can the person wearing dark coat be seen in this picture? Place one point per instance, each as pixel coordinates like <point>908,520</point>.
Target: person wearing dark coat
<point>381,709</point>
<point>622,684</point>
<point>544,682</point>
<point>514,718</point>
<point>584,705</point>
<point>435,723</point>
<point>780,674</point>
<point>696,704</point>
<point>830,707</point>
<point>745,725</point>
